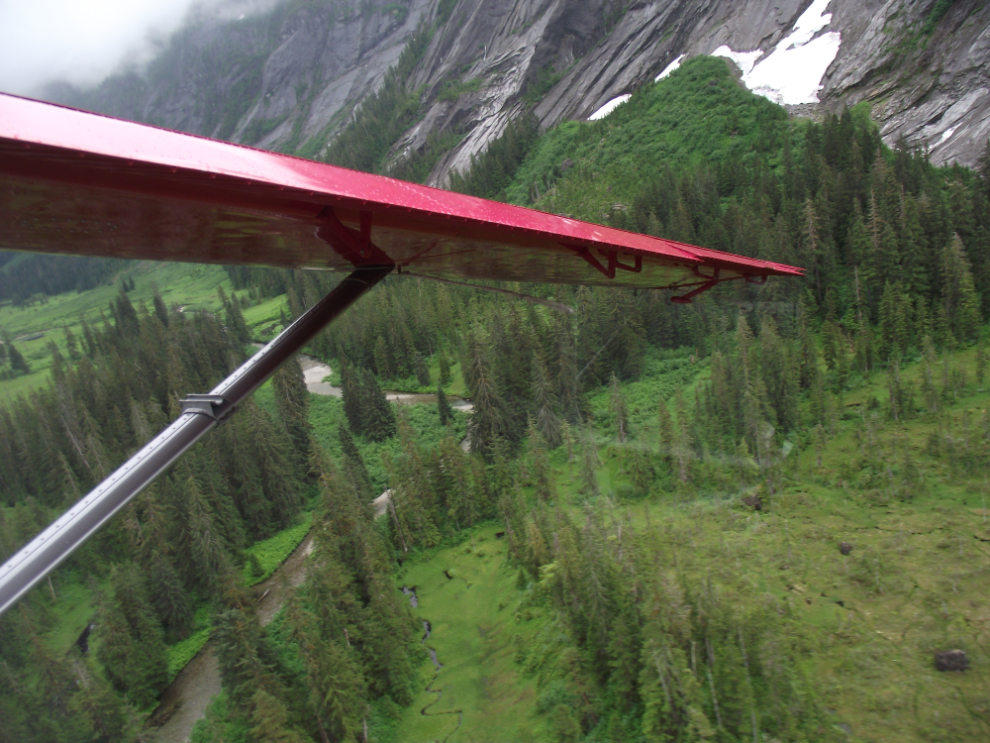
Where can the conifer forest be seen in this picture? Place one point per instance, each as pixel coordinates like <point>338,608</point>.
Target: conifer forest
<point>759,517</point>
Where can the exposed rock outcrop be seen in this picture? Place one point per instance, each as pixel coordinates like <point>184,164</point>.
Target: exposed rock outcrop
<point>291,77</point>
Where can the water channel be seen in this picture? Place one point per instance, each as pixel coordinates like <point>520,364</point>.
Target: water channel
<point>428,631</point>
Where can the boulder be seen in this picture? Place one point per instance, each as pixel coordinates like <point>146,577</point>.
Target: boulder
<point>951,660</point>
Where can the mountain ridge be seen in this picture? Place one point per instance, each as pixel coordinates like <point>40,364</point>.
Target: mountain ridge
<point>292,78</point>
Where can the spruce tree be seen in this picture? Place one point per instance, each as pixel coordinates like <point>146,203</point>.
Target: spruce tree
<point>353,393</point>
<point>981,357</point>
<point>270,720</point>
<point>446,377</point>
<point>17,361</point>
<point>105,712</point>
<point>589,463</point>
<point>545,400</point>
<point>292,403</point>
<point>235,321</point>
<point>378,415</point>
<point>962,303</point>
<point>161,312</point>
<point>336,684</point>
<point>131,644</point>
<point>488,420</point>
<point>443,407</point>
<point>170,598</point>
<point>617,405</point>
<point>422,372</point>
<point>245,657</point>
<point>354,466</point>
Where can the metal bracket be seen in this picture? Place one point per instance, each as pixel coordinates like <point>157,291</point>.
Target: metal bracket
<point>208,405</point>
<point>613,262</point>
<point>710,281</point>
<point>353,246</point>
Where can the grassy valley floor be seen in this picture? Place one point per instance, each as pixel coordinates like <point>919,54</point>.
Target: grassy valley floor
<point>472,616</point>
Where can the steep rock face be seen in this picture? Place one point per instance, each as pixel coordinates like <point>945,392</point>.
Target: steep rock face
<point>270,80</point>
<point>931,87</point>
<point>508,47</point>
<point>325,64</point>
<point>291,77</point>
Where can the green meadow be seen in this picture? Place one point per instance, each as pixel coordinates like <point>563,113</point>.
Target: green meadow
<point>184,287</point>
<point>870,622</point>
<point>474,622</point>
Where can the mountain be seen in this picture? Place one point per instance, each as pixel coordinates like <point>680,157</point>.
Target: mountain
<point>291,77</point>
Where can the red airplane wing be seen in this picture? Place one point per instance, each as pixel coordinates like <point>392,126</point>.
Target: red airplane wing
<point>81,183</point>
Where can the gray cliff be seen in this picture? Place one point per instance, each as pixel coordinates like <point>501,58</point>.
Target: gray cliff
<point>290,77</point>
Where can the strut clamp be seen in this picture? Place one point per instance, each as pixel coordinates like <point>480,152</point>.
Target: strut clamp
<point>208,405</point>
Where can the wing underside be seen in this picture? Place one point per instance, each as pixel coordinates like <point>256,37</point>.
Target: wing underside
<point>79,183</point>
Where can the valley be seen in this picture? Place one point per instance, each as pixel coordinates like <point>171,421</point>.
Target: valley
<point>759,516</point>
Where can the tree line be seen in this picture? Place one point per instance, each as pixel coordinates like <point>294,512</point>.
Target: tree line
<point>177,545</point>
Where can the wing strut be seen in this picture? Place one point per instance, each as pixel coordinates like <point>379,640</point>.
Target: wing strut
<point>200,413</point>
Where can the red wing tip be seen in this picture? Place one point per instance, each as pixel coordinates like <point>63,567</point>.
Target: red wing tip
<point>737,262</point>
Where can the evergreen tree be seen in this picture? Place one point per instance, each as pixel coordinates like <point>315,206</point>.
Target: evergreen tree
<point>545,399</point>
<point>169,597</point>
<point>488,420</point>
<point>617,405</point>
<point>105,712</point>
<point>292,402</point>
<point>352,391</point>
<point>245,657</point>
<point>422,372</point>
<point>235,321</point>
<point>17,362</point>
<point>161,312</point>
<point>443,407</point>
<point>132,646</point>
<point>270,720</point>
<point>354,466</point>
<point>961,302</point>
<point>377,415</point>
<point>446,376</point>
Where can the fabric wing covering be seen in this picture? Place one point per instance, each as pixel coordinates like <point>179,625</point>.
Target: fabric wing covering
<point>85,184</point>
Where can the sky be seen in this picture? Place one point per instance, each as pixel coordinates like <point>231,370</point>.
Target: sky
<point>83,41</point>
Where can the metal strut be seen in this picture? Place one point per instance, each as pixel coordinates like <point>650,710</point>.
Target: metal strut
<point>200,413</point>
<point>710,282</point>
<point>613,262</point>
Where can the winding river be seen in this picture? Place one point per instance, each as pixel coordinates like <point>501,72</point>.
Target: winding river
<point>315,371</point>
<point>186,699</point>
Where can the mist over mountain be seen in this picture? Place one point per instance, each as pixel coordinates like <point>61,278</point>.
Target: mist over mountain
<point>291,77</point>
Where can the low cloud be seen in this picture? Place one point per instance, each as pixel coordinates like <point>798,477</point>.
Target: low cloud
<point>83,41</point>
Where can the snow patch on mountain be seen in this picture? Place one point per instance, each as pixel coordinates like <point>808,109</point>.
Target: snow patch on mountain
<point>609,107</point>
<point>791,74</point>
<point>669,68</point>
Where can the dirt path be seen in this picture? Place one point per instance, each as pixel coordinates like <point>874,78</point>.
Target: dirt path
<point>186,700</point>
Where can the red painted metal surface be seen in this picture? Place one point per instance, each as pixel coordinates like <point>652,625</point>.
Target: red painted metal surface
<point>81,183</point>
